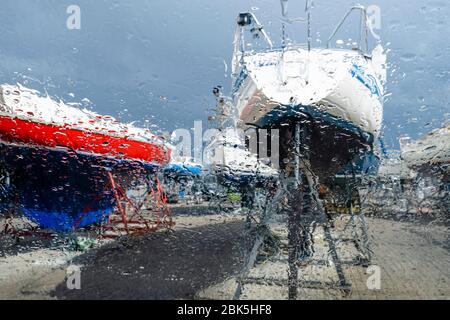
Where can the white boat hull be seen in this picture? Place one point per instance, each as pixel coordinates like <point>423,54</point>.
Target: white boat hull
<point>429,153</point>
<point>340,85</point>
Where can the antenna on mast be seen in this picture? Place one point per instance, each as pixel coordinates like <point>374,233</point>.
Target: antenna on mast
<point>284,8</point>
<point>308,7</point>
<point>284,12</point>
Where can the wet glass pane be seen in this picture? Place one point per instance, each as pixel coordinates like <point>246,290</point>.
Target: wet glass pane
<point>257,149</point>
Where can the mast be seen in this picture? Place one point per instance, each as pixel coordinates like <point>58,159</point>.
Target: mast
<point>308,7</point>
<point>284,12</point>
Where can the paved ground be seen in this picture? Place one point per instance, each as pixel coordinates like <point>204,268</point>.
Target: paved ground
<point>160,266</point>
<point>202,257</point>
<point>202,250</point>
<point>413,258</point>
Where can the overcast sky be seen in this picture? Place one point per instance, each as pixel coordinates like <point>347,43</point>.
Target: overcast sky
<point>156,61</point>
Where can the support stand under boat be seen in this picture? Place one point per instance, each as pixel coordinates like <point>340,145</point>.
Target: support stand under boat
<point>293,196</point>
<point>305,209</point>
<point>296,207</point>
<point>296,197</point>
<point>134,217</point>
<point>299,188</point>
<point>357,219</point>
<point>344,196</point>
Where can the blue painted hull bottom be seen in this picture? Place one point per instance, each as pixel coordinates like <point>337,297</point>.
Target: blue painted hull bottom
<point>60,189</point>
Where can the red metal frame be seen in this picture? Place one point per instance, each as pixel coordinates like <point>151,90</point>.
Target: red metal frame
<point>119,223</point>
<point>138,222</point>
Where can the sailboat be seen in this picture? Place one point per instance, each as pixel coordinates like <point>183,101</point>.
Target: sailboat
<point>335,94</point>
